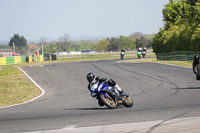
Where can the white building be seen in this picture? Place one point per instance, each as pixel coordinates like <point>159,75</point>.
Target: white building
<point>5,52</point>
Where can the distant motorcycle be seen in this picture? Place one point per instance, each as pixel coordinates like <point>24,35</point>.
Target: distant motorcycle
<point>107,96</point>
<point>122,54</point>
<point>139,54</point>
<point>144,53</point>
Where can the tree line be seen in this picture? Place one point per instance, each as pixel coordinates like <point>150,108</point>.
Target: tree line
<point>181,30</point>
<point>132,42</point>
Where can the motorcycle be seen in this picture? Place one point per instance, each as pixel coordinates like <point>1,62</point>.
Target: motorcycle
<point>122,55</point>
<point>198,69</point>
<point>107,96</point>
<point>139,54</point>
<point>143,53</point>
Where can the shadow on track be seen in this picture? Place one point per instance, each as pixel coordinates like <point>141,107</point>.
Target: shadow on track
<point>188,88</point>
<point>87,109</point>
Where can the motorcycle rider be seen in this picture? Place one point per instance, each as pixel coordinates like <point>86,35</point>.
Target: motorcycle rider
<point>122,53</point>
<point>194,66</point>
<point>93,83</point>
<point>139,49</point>
<point>144,49</point>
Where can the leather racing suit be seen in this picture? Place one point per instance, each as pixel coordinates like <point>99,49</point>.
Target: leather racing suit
<point>94,85</point>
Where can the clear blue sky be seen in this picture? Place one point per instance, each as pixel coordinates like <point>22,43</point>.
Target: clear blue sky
<point>34,19</point>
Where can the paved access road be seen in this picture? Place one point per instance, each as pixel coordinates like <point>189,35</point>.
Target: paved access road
<point>160,92</point>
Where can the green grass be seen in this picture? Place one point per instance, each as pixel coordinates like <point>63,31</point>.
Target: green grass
<point>103,56</point>
<point>179,63</point>
<point>14,86</point>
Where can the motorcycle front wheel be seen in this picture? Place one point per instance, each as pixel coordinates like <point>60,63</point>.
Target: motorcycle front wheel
<point>107,100</point>
<point>128,102</point>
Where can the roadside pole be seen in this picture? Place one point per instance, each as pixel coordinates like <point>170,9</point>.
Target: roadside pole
<point>42,49</point>
<point>14,48</point>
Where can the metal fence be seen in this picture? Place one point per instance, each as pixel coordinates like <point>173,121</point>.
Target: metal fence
<point>177,56</point>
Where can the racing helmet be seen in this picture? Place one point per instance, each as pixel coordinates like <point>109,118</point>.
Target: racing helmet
<point>196,58</point>
<point>90,77</point>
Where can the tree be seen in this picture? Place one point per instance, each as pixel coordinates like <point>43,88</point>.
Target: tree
<point>19,41</point>
<point>195,40</point>
<point>50,48</point>
<point>136,35</point>
<point>127,43</point>
<point>191,2</point>
<point>157,42</point>
<point>114,44</point>
<point>181,28</point>
<point>140,43</point>
<point>176,12</point>
<point>20,44</point>
<point>64,44</point>
<point>83,45</point>
<point>102,45</point>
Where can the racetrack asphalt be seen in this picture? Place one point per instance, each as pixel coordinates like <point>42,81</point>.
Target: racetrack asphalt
<point>160,93</point>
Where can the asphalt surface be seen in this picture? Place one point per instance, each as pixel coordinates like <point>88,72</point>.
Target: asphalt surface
<point>160,92</point>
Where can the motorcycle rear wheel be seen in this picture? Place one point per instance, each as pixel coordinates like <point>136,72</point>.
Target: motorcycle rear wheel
<point>107,100</point>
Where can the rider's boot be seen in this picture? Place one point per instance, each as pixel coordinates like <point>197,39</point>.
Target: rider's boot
<point>121,92</point>
<point>197,77</point>
<point>124,94</point>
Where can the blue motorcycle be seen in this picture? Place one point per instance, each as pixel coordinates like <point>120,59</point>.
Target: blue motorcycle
<point>144,53</point>
<point>107,96</point>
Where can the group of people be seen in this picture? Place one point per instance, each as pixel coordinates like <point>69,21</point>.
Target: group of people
<point>141,50</point>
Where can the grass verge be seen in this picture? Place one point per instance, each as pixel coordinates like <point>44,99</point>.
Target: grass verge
<point>179,63</point>
<point>14,86</point>
<point>103,56</point>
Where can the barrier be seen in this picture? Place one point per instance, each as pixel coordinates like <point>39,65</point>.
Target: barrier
<point>177,56</point>
<point>20,59</point>
<point>47,57</point>
<point>39,58</point>
<point>30,59</point>
<point>2,60</point>
<point>10,60</point>
<point>50,57</point>
<point>17,59</point>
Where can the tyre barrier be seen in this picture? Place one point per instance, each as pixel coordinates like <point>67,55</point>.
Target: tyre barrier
<point>20,59</point>
<point>50,57</point>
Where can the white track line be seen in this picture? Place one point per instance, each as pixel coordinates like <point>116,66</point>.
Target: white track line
<point>42,91</point>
